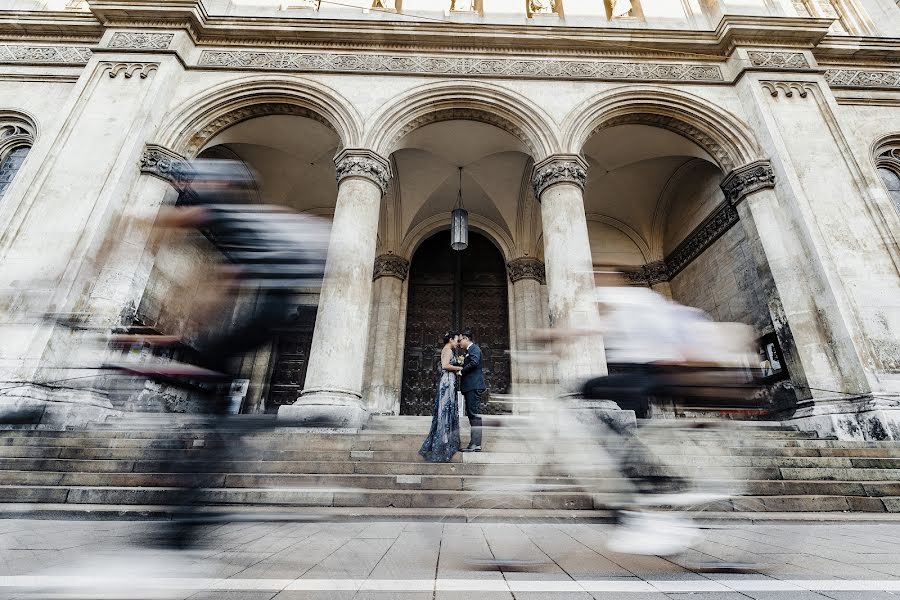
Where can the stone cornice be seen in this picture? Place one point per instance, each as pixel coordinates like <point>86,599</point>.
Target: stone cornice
<point>357,162</point>
<point>391,265</point>
<point>526,268</point>
<point>55,26</point>
<point>559,168</point>
<point>747,179</point>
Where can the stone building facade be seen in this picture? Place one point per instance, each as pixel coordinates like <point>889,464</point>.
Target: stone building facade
<point>742,155</point>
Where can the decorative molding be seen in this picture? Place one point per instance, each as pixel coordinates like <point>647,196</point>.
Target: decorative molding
<point>129,69</point>
<point>161,162</point>
<point>747,179</point>
<point>649,274</point>
<point>778,60</point>
<point>857,78</point>
<point>788,88</point>
<point>208,131</point>
<point>391,265</point>
<point>526,268</point>
<point>678,126</point>
<point>559,168</point>
<point>65,55</point>
<point>141,40</point>
<point>460,66</point>
<point>358,162</point>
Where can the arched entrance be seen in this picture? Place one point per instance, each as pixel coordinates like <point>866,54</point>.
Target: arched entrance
<point>454,290</point>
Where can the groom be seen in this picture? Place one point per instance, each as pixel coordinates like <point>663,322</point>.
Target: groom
<point>472,386</point>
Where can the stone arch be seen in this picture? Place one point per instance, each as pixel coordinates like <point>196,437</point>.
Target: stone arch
<point>725,137</point>
<point>16,129</point>
<point>488,228</point>
<point>886,153</point>
<point>199,119</point>
<point>474,101</point>
<point>626,230</point>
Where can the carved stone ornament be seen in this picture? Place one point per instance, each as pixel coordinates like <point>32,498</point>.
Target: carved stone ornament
<point>355,162</point>
<point>526,268</point>
<point>67,55</point>
<point>778,60</point>
<point>856,78</point>
<point>162,162</point>
<point>559,168</point>
<point>745,180</point>
<point>141,40</point>
<point>460,66</point>
<point>788,88</point>
<point>389,265</point>
<point>649,274</point>
<point>129,69</point>
<point>701,238</point>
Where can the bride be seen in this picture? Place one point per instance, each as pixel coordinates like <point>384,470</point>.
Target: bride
<point>442,441</point>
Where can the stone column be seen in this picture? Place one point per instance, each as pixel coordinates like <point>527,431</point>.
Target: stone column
<point>333,393</point>
<point>559,185</point>
<point>527,276</point>
<point>385,364</point>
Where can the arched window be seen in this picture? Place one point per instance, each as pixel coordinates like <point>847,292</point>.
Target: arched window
<point>887,161</point>
<point>16,139</point>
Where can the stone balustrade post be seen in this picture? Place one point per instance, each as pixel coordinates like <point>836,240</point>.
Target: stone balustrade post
<point>558,184</point>
<point>332,396</point>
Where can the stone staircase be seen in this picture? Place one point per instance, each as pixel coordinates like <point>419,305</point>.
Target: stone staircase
<point>127,471</point>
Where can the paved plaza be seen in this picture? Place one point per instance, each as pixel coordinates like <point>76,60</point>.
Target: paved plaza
<point>432,560</point>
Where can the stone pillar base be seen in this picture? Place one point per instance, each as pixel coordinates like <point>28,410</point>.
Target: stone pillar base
<point>857,419</point>
<point>29,405</point>
<point>332,410</point>
<point>593,413</point>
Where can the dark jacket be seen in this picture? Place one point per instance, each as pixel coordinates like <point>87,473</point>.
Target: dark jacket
<point>472,371</point>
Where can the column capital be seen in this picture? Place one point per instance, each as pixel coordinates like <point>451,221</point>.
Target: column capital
<point>359,162</point>
<point>526,267</point>
<point>161,162</point>
<point>391,265</point>
<point>747,179</point>
<point>558,168</point>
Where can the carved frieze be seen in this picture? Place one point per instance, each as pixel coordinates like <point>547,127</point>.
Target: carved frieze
<point>69,55</point>
<point>650,273</point>
<point>390,265</point>
<point>745,180</point>
<point>162,162</point>
<point>701,238</point>
<point>526,268</point>
<point>857,78</point>
<point>559,168</point>
<point>778,60</point>
<point>355,162</point>
<point>129,69</point>
<point>460,66</point>
<point>141,40</point>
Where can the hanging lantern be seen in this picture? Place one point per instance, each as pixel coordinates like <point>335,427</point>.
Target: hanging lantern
<point>459,222</point>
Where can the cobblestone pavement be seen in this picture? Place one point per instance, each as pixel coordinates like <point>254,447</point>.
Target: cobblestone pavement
<point>448,561</point>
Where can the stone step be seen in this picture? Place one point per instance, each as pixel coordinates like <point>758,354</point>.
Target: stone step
<point>349,497</point>
<point>427,482</point>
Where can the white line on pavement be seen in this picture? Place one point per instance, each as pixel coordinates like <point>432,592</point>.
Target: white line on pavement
<point>61,582</point>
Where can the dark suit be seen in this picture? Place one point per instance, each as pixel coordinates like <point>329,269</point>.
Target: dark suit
<point>472,386</point>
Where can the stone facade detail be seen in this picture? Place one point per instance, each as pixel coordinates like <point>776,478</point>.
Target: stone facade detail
<point>390,265</point>
<point>67,55</point>
<point>161,162</point>
<point>460,66</point>
<point>778,60</point>
<point>858,78</point>
<point>354,162</point>
<point>129,69</point>
<point>141,40</point>
<point>526,268</point>
<point>701,238</point>
<point>745,180</point>
<point>560,168</point>
<point>250,112</point>
<point>788,88</point>
<point>650,273</point>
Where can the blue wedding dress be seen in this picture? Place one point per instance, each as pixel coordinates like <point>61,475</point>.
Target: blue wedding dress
<point>442,441</point>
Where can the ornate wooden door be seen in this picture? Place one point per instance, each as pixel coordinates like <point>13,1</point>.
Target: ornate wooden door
<point>454,290</point>
<point>291,359</point>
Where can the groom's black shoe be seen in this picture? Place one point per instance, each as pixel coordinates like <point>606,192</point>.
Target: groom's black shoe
<point>471,449</point>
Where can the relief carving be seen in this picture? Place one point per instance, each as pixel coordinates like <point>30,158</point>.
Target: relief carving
<point>460,66</point>
<point>150,41</point>
<point>778,60</point>
<point>560,168</point>
<point>363,163</point>
<point>862,79</point>
<point>526,268</point>
<point>748,179</point>
<point>44,54</point>
<point>161,162</point>
<point>389,265</point>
